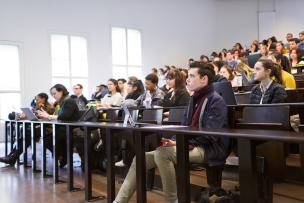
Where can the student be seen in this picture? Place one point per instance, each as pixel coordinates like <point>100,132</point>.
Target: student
<point>230,59</point>
<point>80,100</point>
<point>295,58</point>
<point>301,36</point>
<point>206,110</point>
<point>254,48</point>
<point>227,72</point>
<point>264,50</point>
<point>280,48</point>
<point>101,91</point>
<point>40,102</point>
<point>289,36</point>
<point>204,59</point>
<point>288,80</point>
<point>243,70</point>
<point>122,85</point>
<point>152,89</point>
<point>216,65</point>
<point>135,89</point>
<point>113,98</point>
<point>293,43</point>
<point>268,91</point>
<point>177,95</point>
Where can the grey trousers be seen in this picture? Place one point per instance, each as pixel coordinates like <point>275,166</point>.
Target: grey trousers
<point>164,158</point>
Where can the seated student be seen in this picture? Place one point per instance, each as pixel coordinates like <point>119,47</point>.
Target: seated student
<point>282,60</point>
<point>268,91</point>
<point>40,102</point>
<point>122,85</point>
<point>243,70</point>
<point>293,43</point>
<point>301,37</point>
<point>227,72</point>
<point>296,60</point>
<point>101,91</point>
<point>152,89</point>
<point>264,50</point>
<point>288,80</point>
<point>66,109</point>
<point>177,95</point>
<point>135,89</point>
<point>206,110</point>
<point>113,98</point>
<point>230,59</point>
<point>80,100</point>
<point>280,48</point>
<point>216,67</point>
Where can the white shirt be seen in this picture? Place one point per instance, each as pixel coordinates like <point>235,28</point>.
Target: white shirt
<point>114,100</point>
<point>264,90</point>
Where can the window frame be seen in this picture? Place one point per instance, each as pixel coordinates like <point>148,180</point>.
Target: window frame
<point>70,77</point>
<point>127,65</point>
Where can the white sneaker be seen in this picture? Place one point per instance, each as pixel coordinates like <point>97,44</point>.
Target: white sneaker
<point>120,164</point>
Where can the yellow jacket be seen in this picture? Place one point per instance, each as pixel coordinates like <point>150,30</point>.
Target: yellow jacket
<point>288,80</point>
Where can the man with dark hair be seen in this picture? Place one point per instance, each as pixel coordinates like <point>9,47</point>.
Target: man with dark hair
<point>301,44</point>
<point>78,97</point>
<point>288,37</point>
<point>206,109</point>
<point>152,91</point>
<point>293,43</point>
<point>230,59</point>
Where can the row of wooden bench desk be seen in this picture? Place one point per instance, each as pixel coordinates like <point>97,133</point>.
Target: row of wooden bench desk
<point>246,148</point>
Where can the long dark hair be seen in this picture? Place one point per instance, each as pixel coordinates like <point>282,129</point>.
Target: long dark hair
<point>283,61</point>
<point>139,86</point>
<point>60,88</point>
<point>180,80</point>
<point>275,71</point>
<point>299,54</point>
<point>115,83</point>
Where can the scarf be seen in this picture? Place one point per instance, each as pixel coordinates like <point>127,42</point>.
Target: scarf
<point>196,103</point>
<point>60,105</point>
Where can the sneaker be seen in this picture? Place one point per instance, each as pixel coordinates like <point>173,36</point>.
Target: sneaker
<point>120,164</point>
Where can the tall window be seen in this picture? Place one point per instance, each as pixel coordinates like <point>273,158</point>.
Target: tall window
<point>10,93</point>
<point>126,53</point>
<point>69,61</point>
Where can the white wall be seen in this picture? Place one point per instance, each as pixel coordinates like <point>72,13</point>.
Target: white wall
<point>237,20</point>
<point>172,31</point>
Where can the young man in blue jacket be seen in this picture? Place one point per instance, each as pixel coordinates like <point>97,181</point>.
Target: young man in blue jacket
<point>206,110</point>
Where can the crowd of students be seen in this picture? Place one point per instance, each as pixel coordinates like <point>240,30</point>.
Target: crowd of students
<point>192,87</point>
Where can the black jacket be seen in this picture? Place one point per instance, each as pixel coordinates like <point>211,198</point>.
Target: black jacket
<point>80,101</point>
<point>181,98</point>
<point>214,116</point>
<point>274,94</point>
<point>220,78</point>
<point>69,111</point>
<point>133,95</point>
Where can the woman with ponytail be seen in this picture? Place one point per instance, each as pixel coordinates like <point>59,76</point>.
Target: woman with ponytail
<point>269,90</point>
<point>287,79</point>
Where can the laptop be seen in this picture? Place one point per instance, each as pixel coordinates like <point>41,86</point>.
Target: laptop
<point>29,114</point>
<point>225,90</point>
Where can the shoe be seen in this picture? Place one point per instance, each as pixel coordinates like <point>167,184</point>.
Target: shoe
<point>10,159</point>
<point>120,164</point>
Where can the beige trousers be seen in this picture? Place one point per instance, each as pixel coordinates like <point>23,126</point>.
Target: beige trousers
<point>164,158</point>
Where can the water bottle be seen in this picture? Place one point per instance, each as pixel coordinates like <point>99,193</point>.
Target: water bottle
<point>148,100</point>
